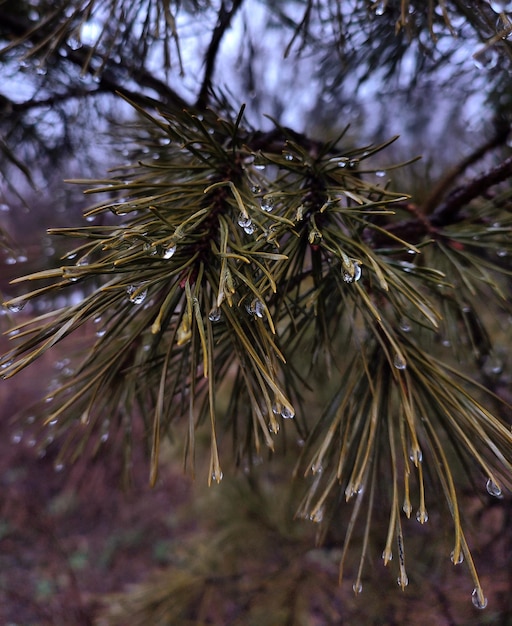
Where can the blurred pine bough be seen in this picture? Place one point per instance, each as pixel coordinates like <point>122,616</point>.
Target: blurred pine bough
<point>258,281</point>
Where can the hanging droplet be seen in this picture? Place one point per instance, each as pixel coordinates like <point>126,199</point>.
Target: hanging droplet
<point>486,59</point>
<point>380,8</point>
<point>407,508</point>
<point>58,467</point>
<point>267,205</point>
<point>422,516</point>
<point>169,252</point>
<point>256,189</point>
<point>136,296</point>
<point>380,173</point>
<point>459,559</point>
<point>387,556</point>
<point>493,489</point>
<point>257,308</point>
<point>217,477</point>
<point>317,516</point>
<point>16,307</point>
<point>16,437</point>
<point>288,156</point>
<point>500,6</point>
<point>493,365</point>
<point>104,437</point>
<point>478,598</point>
<point>357,587</point>
<point>502,253</point>
<point>357,271</point>
<point>287,412</point>
<point>317,468</point>
<point>403,580</point>
<point>249,230</point>
<point>244,220</point>
<point>404,325</point>
<point>416,456</point>
<point>399,362</point>
<point>214,315</point>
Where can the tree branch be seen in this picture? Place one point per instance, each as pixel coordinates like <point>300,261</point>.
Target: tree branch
<point>459,197</point>
<point>223,23</point>
<point>498,139</point>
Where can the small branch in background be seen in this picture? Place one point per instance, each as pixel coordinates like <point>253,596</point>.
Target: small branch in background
<point>224,22</point>
<point>447,211</point>
<point>442,187</point>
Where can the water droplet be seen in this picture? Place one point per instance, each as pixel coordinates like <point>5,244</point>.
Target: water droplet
<point>493,365</point>
<point>416,455</point>
<point>380,173</point>
<point>4,208</point>
<point>317,468</point>
<point>16,437</point>
<point>422,516</point>
<point>317,516</point>
<point>351,273</point>
<point>16,307</point>
<point>256,308</point>
<point>259,166</point>
<point>387,555</point>
<point>90,218</point>
<point>10,260</point>
<point>53,422</point>
<point>169,252</point>
<point>403,580</point>
<point>249,230</point>
<point>460,558</point>
<point>486,59</point>
<point>502,253</point>
<point>288,157</point>
<point>104,437</point>
<point>478,598</point>
<point>500,6</point>
<point>101,332</point>
<point>399,362</point>
<point>287,412</point>
<point>404,325</point>
<point>136,296</point>
<point>407,508</point>
<point>267,204</point>
<point>217,477</point>
<point>214,315</point>
<point>256,189</point>
<point>357,587</point>
<point>380,8</point>
<point>244,221</point>
<point>493,489</point>
<point>58,467</point>
<point>150,249</point>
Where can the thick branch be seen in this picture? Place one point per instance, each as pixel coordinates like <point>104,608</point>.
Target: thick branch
<point>442,187</point>
<point>459,197</point>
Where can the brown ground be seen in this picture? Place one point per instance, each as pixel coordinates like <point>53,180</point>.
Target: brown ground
<point>68,538</point>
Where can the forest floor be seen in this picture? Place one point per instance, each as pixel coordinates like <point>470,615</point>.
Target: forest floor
<point>70,538</point>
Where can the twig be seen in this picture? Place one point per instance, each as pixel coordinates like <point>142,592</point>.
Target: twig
<point>223,23</point>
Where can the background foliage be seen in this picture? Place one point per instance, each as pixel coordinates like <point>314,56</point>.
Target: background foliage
<point>282,283</point>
